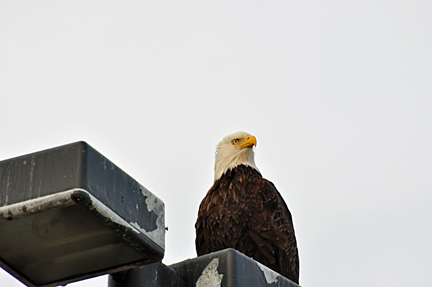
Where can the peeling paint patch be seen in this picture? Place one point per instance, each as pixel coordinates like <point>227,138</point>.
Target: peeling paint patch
<point>108,213</point>
<point>154,204</point>
<point>151,199</point>
<point>154,235</point>
<point>269,274</point>
<point>210,276</point>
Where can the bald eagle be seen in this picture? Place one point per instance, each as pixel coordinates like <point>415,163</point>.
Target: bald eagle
<point>244,211</point>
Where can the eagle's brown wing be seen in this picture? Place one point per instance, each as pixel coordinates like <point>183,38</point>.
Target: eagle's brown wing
<point>287,253</point>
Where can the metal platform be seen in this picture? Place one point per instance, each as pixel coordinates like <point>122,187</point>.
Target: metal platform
<point>68,213</point>
<point>228,268</point>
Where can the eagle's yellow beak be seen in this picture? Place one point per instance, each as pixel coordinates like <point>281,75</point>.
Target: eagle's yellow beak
<point>249,141</point>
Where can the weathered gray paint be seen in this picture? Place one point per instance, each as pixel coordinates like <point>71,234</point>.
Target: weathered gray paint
<point>68,213</point>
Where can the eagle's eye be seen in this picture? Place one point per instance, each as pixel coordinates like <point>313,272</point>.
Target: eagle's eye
<point>235,141</point>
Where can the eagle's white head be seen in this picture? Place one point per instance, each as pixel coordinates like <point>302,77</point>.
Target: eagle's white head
<point>234,150</point>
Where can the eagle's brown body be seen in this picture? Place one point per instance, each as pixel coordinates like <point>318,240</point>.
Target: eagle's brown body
<point>244,211</point>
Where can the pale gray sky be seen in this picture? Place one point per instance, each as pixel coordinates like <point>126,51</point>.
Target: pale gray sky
<point>338,94</point>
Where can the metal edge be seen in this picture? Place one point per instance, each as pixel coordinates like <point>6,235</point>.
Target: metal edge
<point>78,196</point>
<point>36,205</point>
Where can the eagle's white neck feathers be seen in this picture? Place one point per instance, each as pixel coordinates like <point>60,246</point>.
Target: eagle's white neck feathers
<point>229,155</point>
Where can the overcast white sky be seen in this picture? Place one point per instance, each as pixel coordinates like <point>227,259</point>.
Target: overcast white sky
<point>338,94</point>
